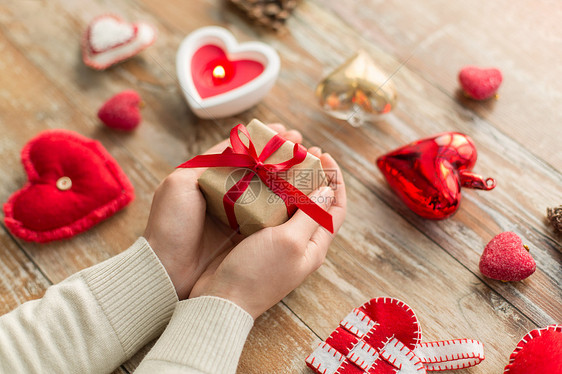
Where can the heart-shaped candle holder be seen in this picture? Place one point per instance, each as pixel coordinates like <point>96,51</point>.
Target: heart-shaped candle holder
<point>220,77</point>
<point>428,174</point>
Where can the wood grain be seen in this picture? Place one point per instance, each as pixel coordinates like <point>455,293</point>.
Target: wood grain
<point>20,279</point>
<point>383,248</point>
<point>520,40</point>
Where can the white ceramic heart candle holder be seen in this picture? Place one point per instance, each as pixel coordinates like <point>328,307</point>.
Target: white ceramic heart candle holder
<point>235,100</point>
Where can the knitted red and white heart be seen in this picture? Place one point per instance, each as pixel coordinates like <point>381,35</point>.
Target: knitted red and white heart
<point>539,352</point>
<point>383,336</point>
<point>73,183</point>
<point>109,40</point>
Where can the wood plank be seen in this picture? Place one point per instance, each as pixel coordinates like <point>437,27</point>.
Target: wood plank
<point>167,126</point>
<point>521,39</point>
<point>256,362</point>
<point>278,343</point>
<point>22,85</point>
<point>500,156</point>
<point>372,256</point>
<point>162,142</point>
<point>20,279</point>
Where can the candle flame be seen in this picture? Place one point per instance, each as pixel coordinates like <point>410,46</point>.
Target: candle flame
<point>219,72</point>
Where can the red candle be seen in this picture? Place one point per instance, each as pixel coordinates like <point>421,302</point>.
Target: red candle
<point>221,71</point>
<point>220,77</point>
<point>213,73</point>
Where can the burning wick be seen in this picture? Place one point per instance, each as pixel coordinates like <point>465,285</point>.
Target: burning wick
<point>219,72</point>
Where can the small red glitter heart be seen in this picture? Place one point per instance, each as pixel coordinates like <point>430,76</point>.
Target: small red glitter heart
<point>478,83</point>
<point>122,111</point>
<point>506,258</point>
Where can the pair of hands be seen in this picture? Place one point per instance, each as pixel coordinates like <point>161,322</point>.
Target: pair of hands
<point>205,257</point>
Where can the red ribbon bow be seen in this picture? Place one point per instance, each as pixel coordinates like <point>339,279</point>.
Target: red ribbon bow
<point>240,155</point>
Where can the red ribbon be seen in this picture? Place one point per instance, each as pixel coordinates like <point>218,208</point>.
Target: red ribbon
<point>242,156</point>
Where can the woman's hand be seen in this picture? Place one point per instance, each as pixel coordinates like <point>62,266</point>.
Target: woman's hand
<point>266,266</point>
<point>186,240</point>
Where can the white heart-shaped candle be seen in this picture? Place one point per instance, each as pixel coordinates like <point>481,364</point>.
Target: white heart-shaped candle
<point>220,77</point>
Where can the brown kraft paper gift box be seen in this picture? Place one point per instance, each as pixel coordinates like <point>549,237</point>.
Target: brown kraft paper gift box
<point>259,207</point>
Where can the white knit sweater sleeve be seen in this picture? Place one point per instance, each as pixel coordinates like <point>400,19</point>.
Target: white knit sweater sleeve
<point>206,335</point>
<point>93,321</point>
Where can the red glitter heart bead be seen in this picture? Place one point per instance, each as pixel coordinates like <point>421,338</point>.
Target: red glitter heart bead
<point>478,83</point>
<point>506,258</point>
<point>428,174</point>
<point>122,111</point>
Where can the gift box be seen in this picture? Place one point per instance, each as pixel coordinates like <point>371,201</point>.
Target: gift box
<point>260,180</point>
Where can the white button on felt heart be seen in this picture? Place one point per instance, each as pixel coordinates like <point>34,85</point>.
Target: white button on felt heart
<point>213,90</point>
<point>109,40</point>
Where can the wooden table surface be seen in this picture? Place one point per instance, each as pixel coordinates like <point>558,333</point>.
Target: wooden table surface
<point>383,249</point>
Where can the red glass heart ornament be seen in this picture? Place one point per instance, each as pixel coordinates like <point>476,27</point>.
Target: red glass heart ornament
<point>383,336</point>
<point>428,174</point>
<point>235,73</point>
<point>539,352</point>
<point>73,183</point>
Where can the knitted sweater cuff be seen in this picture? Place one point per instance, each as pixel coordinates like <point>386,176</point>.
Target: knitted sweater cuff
<point>205,333</point>
<point>135,293</point>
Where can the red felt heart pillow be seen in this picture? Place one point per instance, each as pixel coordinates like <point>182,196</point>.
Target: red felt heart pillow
<point>539,352</point>
<point>73,183</point>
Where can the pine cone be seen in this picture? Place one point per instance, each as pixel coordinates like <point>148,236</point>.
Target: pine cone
<point>555,217</point>
<point>268,13</point>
